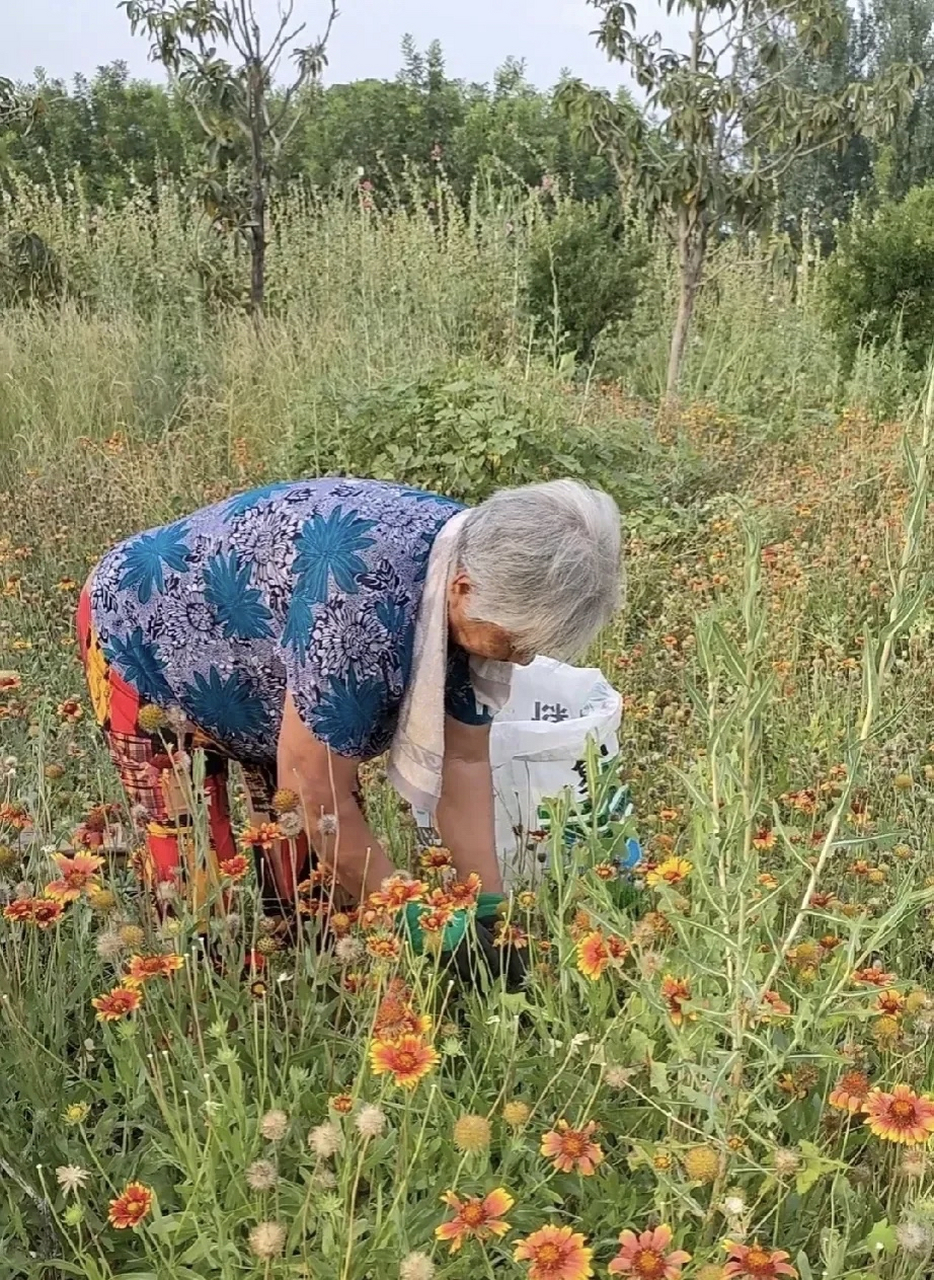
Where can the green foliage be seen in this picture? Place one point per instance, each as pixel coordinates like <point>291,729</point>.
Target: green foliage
<point>724,120</point>
<point>465,429</point>
<point>880,281</point>
<point>584,273</point>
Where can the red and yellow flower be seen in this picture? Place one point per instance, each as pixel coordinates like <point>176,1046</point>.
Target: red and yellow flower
<point>141,969</point>
<point>850,1092</point>
<point>41,912</point>
<point>117,1003</point>
<point>555,1253</point>
<point>475,1218</point>
<point>396,893</point>
<point>464,895</point>
<point>435,858</point>
<point>646,1256</point>
<point>569,1149</point>
<point>890,1002</point>
<point>899,1116</point>
<point>407,1059</point>
<point>672,871</point>
<point>872,977</point>
<point>593,955</point>
<point>234,868</point>
<point>675,992</point>
<point>78,873</point>
<point>131,1206</point>
<point>755,1263</point>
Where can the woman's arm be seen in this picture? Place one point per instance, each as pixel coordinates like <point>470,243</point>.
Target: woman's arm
<point>325,782</point>
<point>465,810</point>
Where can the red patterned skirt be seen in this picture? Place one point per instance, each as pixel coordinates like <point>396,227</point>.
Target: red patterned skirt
<point>155,769</point>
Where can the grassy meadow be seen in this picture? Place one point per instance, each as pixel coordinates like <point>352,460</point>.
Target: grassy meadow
<point>739,1052</point>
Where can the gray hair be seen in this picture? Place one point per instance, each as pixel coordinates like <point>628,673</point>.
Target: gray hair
<point>545,564</point>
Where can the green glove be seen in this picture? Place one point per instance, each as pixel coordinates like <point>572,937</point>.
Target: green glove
<point>488,905</point>
<point>451,936</point>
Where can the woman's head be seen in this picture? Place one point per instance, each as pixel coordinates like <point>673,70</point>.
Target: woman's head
<point>539,572</point>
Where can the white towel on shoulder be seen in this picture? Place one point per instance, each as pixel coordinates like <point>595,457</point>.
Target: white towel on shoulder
<point>416,756</point>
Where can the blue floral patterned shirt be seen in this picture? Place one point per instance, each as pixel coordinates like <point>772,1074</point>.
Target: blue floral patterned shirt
<point>310,588</point>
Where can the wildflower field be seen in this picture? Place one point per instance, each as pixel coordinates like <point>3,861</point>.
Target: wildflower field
<point>721,1068</point>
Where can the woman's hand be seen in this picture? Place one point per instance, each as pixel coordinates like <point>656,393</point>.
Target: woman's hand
<point>465,814</point>
<point>326,785</point>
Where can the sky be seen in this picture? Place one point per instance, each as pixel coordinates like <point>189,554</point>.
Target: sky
<point>68,36</point>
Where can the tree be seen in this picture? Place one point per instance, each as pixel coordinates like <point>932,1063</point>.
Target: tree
<point>235,104</point>
<point>724,120</point>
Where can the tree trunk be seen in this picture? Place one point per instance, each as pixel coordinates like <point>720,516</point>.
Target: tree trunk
<point>692,251</point>
<point>257,197</point>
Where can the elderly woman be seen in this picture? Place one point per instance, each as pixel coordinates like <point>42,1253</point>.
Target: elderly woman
<point>304,627</point>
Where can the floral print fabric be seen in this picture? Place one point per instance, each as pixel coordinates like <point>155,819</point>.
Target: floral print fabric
<point>310,588</point>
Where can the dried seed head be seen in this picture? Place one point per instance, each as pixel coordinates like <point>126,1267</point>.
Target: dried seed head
<point>274,1126</point>
<point>325,1140</point>
<point>267,1239</point>
<point>371,1121</point>
<point>261,1175</point>
<point>416,1266</point>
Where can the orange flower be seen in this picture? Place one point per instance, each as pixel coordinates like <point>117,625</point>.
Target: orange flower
<point>767,880</point>
<point>396,893</point>
<point>342,1104</point>
<point>569,1149</point>
<point>821,901</point>
<point>131,1206</point>
<point>778,1008</point>
<point>117,1003</point>
<point>20,909</point>
<point>10,680</point>
<point>265,835</point>
<point>70,709</point>
<point>618,948</point>
<point>384,946</point>
<point>644,1256</point>
<point>755,1263</point>
<point>675,991</point>
<point>234,868</point>
<point>899,1116</point>
<point>606,870</point>
<point>671,871</point>
<point>510,935</point>
<point>395,1015</point>
<point>141,968</point>
<point>436,921</point>
<point>555,1253</point>
<point>873,977</point>
<point>850,1092</point>
<point>78,873</point>
<point>435,858</point>
<point>463,896</point>
<point>890,1002</point>
<point>475,1217</point>
<point>593,955</point>
<point>46,913</point>
<point>407,1059</point>
<point>764,838</point>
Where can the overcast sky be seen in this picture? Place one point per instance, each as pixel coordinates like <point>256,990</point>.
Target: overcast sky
<point>65,36</point>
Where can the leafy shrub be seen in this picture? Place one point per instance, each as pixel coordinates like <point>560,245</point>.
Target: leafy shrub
<point>29,269</point>
<point>584,273</point>
<point>465,429</point>
<point>880,281</point>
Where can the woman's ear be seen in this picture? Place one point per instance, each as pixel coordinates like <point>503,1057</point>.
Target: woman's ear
<point>461,586</point>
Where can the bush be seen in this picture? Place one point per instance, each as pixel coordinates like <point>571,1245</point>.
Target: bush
<point>880,280</point>
<point>465,429</point>
<point>584,274</point>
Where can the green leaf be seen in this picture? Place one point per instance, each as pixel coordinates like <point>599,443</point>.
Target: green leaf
<point>881,1239</point>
